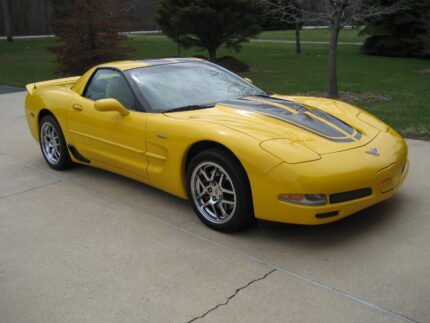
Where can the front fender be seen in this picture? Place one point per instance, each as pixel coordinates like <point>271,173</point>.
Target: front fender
<point>52,99</point>
<point>169,141</point>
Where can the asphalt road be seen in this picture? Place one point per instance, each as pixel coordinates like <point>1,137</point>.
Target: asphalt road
<point>89,246</point>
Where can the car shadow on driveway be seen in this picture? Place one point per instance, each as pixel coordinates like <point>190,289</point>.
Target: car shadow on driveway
<point>358,225</point>
<point>178,212</point>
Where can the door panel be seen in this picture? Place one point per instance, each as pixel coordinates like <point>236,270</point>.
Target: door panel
<point>108,137</point>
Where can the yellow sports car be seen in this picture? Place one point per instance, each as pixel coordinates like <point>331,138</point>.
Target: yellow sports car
<point>200,132</point>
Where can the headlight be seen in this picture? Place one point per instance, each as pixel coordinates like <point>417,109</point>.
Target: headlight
<point>373,121</point>
<point>289,151</point>
<point>304,199</point>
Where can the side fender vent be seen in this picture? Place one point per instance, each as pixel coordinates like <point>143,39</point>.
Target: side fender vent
<point>77,155</point>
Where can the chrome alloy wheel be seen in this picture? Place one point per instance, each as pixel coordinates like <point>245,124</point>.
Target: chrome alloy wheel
<point>213,192</point>
<point>51,145</point>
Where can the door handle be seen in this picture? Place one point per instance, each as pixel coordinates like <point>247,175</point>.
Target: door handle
<point>77,107</point>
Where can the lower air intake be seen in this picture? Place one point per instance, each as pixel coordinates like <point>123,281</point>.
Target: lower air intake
<point>349,196</point>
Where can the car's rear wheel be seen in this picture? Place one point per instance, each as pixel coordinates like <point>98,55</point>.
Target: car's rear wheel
<point>219,190</point>
<point>53,144</point>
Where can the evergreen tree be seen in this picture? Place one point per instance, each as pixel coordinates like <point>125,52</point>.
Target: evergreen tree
<point>405,32</point>
<point>209,24</point>
<point>89,34</point>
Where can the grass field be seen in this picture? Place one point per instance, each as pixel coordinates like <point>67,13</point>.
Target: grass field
<point>275,68</point>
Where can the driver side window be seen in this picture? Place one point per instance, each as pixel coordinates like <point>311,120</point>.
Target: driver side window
<point>110,84</point>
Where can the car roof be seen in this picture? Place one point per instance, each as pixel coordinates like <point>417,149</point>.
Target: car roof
<point>132,64</point>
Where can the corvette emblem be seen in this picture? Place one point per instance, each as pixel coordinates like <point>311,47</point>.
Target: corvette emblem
<point>373,151</point>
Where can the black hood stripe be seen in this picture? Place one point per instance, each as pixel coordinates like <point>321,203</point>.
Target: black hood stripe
<point>286,103</point>
<point>305,118</point>
<point>300,108</point>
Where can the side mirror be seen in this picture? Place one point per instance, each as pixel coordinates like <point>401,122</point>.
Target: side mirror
<point>249,80</point>
<point>105,105</point>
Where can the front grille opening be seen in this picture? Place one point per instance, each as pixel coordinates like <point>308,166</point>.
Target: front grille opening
<point>349,196</point>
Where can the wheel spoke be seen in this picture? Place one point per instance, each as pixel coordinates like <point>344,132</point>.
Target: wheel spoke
<point>206,204</point>
<point>220,180</point>
<point>224,190</point>
<point>224,213</point>
<point>55,153</point>
<point>201,188</point>
<point>199,181</point>
<point>203,172</point>
<point>214,210</point>
<point>213,174</point>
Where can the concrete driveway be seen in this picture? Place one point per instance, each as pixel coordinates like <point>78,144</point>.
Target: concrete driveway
<point>89,246</point>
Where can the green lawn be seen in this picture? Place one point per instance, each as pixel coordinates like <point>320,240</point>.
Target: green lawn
<point>320,34</point>
<point>275,68</point>
<point>346,35</point>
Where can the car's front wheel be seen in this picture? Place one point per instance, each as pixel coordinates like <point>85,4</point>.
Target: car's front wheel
<point>53,144</point>
<point>219,190</point>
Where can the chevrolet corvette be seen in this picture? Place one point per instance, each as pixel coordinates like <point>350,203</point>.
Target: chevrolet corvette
<point>200,132</point>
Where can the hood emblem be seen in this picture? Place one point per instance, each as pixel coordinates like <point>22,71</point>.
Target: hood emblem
<point>373,152</point>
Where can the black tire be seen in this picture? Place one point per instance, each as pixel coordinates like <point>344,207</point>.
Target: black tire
<point>243,215</point>
<point>63,161</point>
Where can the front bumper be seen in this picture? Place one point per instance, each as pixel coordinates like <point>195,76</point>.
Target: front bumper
<point>334,173</point>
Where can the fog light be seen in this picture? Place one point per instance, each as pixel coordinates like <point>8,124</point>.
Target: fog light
<point>304,199</point>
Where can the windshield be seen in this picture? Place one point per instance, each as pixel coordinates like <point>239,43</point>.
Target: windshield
<point>172,86</point>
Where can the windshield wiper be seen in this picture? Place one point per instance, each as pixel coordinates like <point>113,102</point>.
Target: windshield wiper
<point>189,108</point>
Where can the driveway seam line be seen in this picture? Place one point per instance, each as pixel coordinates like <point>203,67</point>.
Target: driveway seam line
<point>229,298</point>
<point>258,260</point>
<point>42,171</point>
<point>29,190</point>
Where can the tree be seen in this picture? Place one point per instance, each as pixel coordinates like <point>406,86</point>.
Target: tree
<point>336,14</point>
<point>7,20</point>
<point>289,12</point>
<point>89,34</point>
<point>209,24</point>
<point>404,32</point>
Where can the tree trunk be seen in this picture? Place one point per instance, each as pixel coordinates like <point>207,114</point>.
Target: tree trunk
<point>179,49</point>
<point>298,43</point>
<point>212,54</point>
<point>91,33</point>
<point>46,16</point>
<point>178,45</point>
<point>7,21</point>
<point>333,91</point>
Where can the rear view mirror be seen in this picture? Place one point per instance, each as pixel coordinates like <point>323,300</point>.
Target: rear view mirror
<point>105,105</point>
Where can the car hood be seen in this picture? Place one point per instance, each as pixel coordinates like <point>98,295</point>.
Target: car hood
<point>322,125</point>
